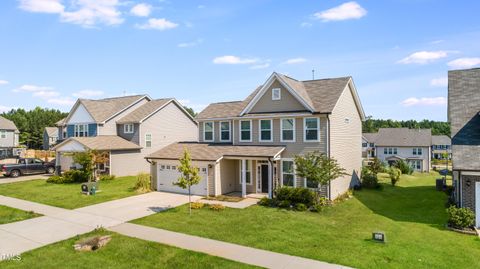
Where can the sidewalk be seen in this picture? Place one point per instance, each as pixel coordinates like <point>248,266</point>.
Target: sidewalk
<point>248,255</point>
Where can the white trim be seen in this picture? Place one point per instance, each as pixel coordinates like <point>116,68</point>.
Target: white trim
<point>127,107</point>
<point>279,90</point>
<point>251,171</point>
<point>213,131</point>
<point>85,129</point>
<point>126,130</point>
<point>240,131</point>
<point>305,130</point>
<point>229,131</point>
<point>260,130</point>
<point>151,140</point>
<point>294,130</point>
<point>281,171</point>
<point>247,117</point>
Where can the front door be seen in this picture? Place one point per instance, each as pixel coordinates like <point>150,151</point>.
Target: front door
<point>477,204</point>
<point>264,178</point>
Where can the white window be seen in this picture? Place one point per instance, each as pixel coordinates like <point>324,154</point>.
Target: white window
<point>245,131</point>
<point>225,131</point>
<point>148,140</point>
<point>394,150</point>
<point>288,173</point>
<point>311,129</point>
<point>417,151</point>
<point>81,130</point>
<point>310,184</point>
<point>287,127</point>
<point>128,128</point>
<point>265,127</point>
<point>3,134</point>
<point>385,151</point>
<point>208,131</point>
<point>416,164</point>
<point>276,94</point>
<point>248,171</point>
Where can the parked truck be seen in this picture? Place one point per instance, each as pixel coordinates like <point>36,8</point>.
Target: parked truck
<point>27,166</point>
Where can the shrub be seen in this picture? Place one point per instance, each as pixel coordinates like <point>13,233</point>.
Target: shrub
<point>76,176</point>
<point>370,181</point>
<point>460,217</point>
<point>265,201</point>
<point>394,174</point>
<point>217,207</point>
<point>284,204</point>
<point>404,167</point>
<point>376,166</point>
<point>107,177</point>
<point>197,205</point>
<point>300,207</point>
<point>143,183</point>
<point>57,180</point>
<point>296,195</point>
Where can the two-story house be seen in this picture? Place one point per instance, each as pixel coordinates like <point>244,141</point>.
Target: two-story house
<point>128,128</point>
<point>441,147</point>
<point>9,137</point>
<point>50,137</point>
<point>410,145</point>
<point>464,117</point>
<point>249,146</point>
<point>368,145</point>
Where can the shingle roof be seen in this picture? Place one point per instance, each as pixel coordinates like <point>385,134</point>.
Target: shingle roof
<point>463,114</point>
<point>370,137</point>
<point>441,140</point>
<point>103,109</point>
<point>321,94</point>
<point>61,122</point>
<point>7,124</point>
<point>52,131</point>
<point>404,137</point>
<point>213,152</point>
<point>102,142</point>
<point>143,111</point>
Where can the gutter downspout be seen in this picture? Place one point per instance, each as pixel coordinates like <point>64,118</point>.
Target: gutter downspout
<point>328,155</point>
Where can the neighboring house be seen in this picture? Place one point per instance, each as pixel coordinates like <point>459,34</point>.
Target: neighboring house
<point>249,146</point>
<point>128,128</point>
<point>9,138</point>
<point>368,145</point>
<point>50,137</point>
<point>464,117</point>
<point>410,145</point>
<point>441,145</point>
<point>61,129</point>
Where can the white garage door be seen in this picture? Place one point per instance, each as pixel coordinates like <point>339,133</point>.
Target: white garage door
<point>168,174</point>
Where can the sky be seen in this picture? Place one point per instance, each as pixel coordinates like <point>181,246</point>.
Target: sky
<point>398,51</point>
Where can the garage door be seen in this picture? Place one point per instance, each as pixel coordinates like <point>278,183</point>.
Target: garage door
<point>168,174</point>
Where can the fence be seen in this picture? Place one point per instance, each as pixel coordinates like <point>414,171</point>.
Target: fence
<point>46,155</point>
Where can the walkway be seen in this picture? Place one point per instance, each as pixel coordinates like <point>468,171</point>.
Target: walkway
<point>248,255</point>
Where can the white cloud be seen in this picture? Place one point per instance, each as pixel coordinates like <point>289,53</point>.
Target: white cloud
<point>230,59</point>
<point>295,61</point>
<point>63,101</point>
<point>464,63</point>
<point>260,66</point>
<point>190,44</point>
<point>141,10</point>
<point>88,93</point>
<point>423,57</point>
<point>5,108</point>
<point>32,88</point>
<point>3,82</point>
<point>306,24</point>
<point>345,11</point>
<point>195,107</point>
<point>158,24</point>
<point>425,101</point>
<point>439,82</point>
<point>46,94</point>
<point>42,6</point>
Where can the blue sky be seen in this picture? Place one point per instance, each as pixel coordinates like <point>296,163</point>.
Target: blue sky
<point>397,51</point>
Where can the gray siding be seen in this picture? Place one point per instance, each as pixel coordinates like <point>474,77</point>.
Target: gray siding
<point>134,137</point>
<point>9,140</point>
<point>110,127</point>
<point>127,163</point>
<point>287,101</point>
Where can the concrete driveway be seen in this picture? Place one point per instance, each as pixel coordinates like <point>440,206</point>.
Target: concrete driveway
<point>59,224</point>
<point>5,180</point>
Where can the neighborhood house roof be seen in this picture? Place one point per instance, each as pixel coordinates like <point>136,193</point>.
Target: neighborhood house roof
<point>52,131</point>
<point>370,137</point>
<point>61,122</point>
<point>102,142</point>
<point>103,109</point>
<point>139,114</point>
<point>213,152</point>
<point>441,140</point>
<point>7,124</point>
<point>403,137</point>
<point>321,95</point>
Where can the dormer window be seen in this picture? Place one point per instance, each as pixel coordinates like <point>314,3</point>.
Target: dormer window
<point>276,94</point>
<point>128,128</point>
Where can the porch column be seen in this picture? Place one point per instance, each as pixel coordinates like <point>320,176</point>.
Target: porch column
<point>270,179</point>
<point>244,178</point>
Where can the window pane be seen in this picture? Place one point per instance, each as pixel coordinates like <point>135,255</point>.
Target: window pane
<point>209,126</point>
<point>245,135</point>
<point>311,123</point>
<point>287,124</point>
<point>266,135</point>
<point>265,124</point>
<point>208,135</point>
<point>245,125</point>
<point>311,134</point>
<point>288,180</point>
<point>287,166</point>
<point>311,184</point>
<point>287,134</point>
<point>225,135</point>
<point>225,126</point>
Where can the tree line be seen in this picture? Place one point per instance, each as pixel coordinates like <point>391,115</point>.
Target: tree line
<point>438,127</point>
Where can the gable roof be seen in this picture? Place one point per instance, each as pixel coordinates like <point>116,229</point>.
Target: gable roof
<point>441,140</point>
<point>103,109</point>
<point>370,137</point>
<point>404,137</point>
<point>61,122</point>
<point>102,142</point>
<point>7,124</point>
<point>139,114</point>
<point>51,131</point>
<point>318,96</point>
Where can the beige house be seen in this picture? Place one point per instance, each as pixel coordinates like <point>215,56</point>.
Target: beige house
<point>128,128</point>
<point>248,146</point>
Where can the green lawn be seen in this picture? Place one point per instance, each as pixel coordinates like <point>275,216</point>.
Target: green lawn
<point>412,215</point>
<point>121,252</point>
<point>68,195</point>
<point>8,214</point>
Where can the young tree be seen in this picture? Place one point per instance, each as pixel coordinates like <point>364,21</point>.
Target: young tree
<point>394,174</point>
<point>89,160</point>
<point>376,166</point>
<point>189,176</point>
<point>318,167</point>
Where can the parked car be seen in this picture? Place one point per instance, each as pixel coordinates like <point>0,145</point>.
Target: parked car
<point>26,166</point>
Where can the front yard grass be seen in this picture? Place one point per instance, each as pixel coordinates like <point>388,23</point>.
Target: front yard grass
<point>69,196</point>
<point>120,252</point>
<point>412,215</point>
<point>8,214</point>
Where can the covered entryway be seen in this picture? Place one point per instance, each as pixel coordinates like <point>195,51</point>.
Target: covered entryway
<point>168,174</point>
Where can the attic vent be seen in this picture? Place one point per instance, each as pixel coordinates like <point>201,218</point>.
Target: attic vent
<point>276,94</point>
<point>347,120</point>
